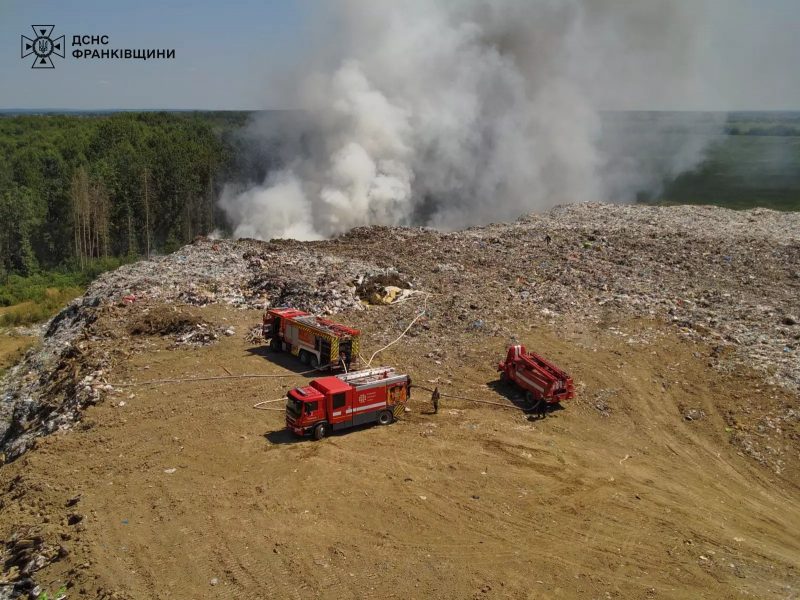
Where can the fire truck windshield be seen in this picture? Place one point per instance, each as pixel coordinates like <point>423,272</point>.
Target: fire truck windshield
<point>293,406</point>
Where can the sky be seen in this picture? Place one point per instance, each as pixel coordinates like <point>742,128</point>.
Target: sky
<point>228,55</point>
<point>241,54</point>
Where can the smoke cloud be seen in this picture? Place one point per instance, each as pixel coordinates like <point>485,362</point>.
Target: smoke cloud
<point>451,114</point>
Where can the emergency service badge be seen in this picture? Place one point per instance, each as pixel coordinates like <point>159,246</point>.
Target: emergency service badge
<point>42,46</point>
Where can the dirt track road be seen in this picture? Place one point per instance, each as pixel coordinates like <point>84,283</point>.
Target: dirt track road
<point>616,496</point>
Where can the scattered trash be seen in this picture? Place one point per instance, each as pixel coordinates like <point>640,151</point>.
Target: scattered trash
<point>386,295</point>
<point>694,414</point>
<point>164,320</point>
<point>604,408</point>
<point>383,288</point>
<point>255,335</point>
<point>201,336</point>
<point>170,471</point>
<point>26,552</point>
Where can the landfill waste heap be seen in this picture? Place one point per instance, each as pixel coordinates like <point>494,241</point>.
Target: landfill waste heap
<point>677,326</point>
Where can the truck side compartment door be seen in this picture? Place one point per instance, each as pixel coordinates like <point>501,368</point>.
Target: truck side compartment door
<point>367,404</point>
<point>340,416</point>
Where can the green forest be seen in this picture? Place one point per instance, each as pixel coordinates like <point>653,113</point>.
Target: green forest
<point>78,189</point>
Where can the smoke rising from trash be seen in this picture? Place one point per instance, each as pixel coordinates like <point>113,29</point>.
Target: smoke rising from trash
<point>452,114</point>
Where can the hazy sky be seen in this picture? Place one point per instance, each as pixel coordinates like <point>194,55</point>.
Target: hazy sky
<point>228,54</point>
<point>240,54</point>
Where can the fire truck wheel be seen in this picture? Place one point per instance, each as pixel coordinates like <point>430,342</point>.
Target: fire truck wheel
<point>320,431</point>
<point>385,417</point>
<point>275,345</point>
<point>529,398</point>
<point>304,357</point>
<point>314,362</point>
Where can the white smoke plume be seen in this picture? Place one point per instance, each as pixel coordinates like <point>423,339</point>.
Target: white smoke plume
<point>456,113</point>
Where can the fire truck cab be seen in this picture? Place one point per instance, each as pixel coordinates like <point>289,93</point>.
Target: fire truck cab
<point>347,400</point>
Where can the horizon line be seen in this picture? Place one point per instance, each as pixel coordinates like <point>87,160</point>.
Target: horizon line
<point>253,110</point>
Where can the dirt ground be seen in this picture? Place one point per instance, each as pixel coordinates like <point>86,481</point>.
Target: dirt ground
<point>12,347</point>
<point>185,491</point>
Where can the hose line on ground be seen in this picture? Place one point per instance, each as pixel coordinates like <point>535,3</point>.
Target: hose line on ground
<point>190,379</point>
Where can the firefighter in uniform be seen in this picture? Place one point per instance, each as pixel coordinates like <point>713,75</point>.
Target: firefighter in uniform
<point>435,399</point>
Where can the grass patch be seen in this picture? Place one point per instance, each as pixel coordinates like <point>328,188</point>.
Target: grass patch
<point>34,311</point>
<point>35,298</point>
<point>37,288</point>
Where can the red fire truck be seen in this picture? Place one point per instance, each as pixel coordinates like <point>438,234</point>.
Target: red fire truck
<point>540,379</point>
<point>316,341</point>
<point>346,400</point>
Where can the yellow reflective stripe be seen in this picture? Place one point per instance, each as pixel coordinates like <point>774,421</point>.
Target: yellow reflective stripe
<point>308,328</point>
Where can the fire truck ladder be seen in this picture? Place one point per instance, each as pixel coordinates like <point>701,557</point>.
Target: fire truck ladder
<point>356,378</point>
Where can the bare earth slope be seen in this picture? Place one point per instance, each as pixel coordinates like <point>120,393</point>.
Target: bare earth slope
<point>674,474</point>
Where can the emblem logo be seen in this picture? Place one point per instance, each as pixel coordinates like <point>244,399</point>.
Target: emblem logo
<point>42,46</point>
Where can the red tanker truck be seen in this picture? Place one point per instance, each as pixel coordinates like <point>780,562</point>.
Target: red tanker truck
<point>540,379</point>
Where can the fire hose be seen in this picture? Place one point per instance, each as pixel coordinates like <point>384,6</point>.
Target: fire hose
<point>259,405</point>
<point>443,395</point>
<point>190,379</point>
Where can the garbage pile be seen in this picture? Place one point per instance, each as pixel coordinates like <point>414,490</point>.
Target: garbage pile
<point>730,279</point>
<point>183,328</point>
<point>244,273</point>
<point>202,335</point>
<point>724,277</point>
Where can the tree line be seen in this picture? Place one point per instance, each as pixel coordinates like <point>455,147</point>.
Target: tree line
<point>74,189</point>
